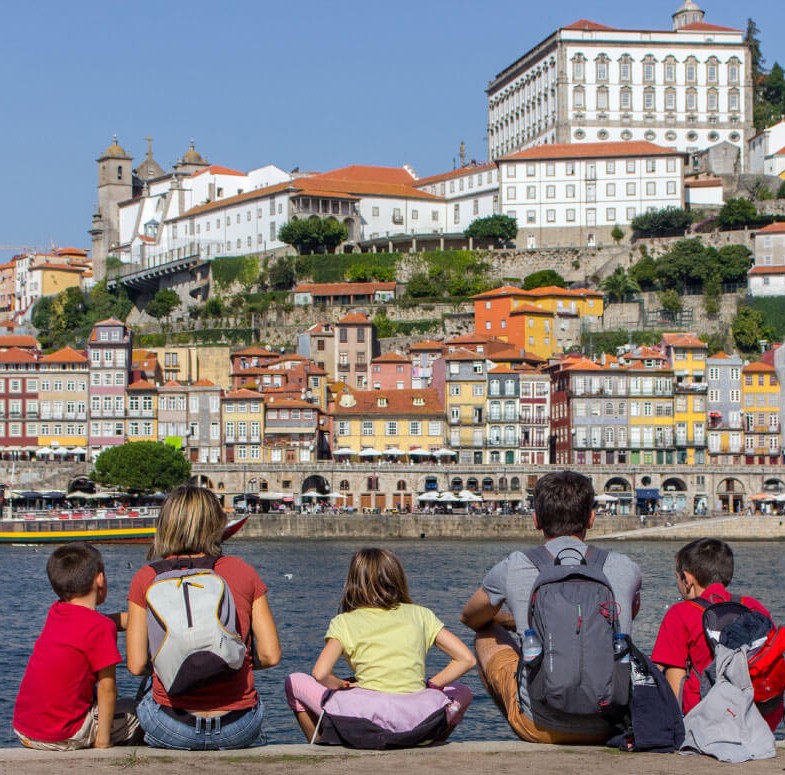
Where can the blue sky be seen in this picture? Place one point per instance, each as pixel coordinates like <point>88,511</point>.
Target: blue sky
<point>296,84</point>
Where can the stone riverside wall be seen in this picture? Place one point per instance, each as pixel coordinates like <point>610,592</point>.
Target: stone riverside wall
<point>727,528</point>
<point>494,527</point>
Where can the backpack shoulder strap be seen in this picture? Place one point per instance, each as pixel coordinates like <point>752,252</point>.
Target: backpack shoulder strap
<point>540,557</point>
<point>595,556</point>
<point>701,603</point>
<point>206,562</point>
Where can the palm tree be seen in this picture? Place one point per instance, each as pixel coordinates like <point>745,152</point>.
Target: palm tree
<point>619,285</point>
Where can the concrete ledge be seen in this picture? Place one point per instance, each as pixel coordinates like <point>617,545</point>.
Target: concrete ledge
<point>508,756</point>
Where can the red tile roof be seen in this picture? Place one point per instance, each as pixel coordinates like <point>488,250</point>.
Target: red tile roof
<point>142,384</point>
<point>459,173</point>
<point>15,355</point>
<point>766,270</point>
<point>778,227</point>
<point>371,173</point>
<point>204,383</point>
<point>247,196</point>
<point>354,318</point>
<point>391,358</point>
<point>217,169</point>
<point>530,309</point>
<point>591,150</point>
<point>22,341</point>
<point>343,289</point>
<point>706,27</point>
<point>703,183</point>
<point>758,366</point>
<point>502,292</point>
<point>720,355</point>
<point>683,340</point>
<point>243,393</point>
<point>399,402</point>
<point>65,355</point>
<point>427,344</point>
<point>586,24</point>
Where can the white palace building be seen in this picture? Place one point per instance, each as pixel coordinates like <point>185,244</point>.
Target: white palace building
<point>687,88</point>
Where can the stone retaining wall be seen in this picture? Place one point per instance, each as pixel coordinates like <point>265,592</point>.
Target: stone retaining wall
<point>494,527</point>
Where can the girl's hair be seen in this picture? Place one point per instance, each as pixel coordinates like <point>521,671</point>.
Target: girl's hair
<point>375,580</point>
<point>191,522</point>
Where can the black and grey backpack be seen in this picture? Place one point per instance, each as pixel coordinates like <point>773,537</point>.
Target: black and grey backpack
<point>574,612</point>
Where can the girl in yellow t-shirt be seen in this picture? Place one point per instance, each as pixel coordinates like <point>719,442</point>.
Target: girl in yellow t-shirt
<point>384,638</point>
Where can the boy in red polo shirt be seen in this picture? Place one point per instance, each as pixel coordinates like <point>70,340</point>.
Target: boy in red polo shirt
<point>704,568</point>
<point>68,696</point>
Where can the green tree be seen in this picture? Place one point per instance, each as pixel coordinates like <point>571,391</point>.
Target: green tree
<point>619,285</point>
<point>617,234</point>
<point>734,262</point>
<point>281,275</point>
<point>781,191</point>
<point>684,264</point>
<point>666,221</point>
<point>736,213</point>
<point>359,273</point>
<point>712,288</point>
<point>749,328</point>
<point>421,286</point>
<point>213,307</point>
<point>163,303</point>
<point>644,272</point>
<point>543,279</point>
<point>752,40</point>
<point>314,235</point>
<point>141,467</point>
<point>671,301</point>
<point>500,228</point>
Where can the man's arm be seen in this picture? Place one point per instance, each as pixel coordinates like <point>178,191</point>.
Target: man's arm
<point>675,676</point>
<point>479,612</point>
<point>106,698</point>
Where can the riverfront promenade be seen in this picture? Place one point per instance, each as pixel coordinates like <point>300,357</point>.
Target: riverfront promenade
<point>499,757</point>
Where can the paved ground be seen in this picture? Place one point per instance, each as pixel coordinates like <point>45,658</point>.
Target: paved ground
<point>498,758</point>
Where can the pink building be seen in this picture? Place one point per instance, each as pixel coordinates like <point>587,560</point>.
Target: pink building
<point>109,351</point>
<point>391,371</point>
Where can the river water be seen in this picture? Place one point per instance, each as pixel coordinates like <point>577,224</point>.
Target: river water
<point>305,580</point>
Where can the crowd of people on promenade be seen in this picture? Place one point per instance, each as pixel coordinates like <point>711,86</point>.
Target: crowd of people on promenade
<point>553,645</point>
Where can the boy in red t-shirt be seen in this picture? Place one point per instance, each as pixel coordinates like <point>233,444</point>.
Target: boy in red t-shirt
<point>704,568</point>
<point>68,695</point>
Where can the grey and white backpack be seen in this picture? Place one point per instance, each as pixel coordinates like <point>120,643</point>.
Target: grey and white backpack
<point>574,612</point>
<point>191,624</point>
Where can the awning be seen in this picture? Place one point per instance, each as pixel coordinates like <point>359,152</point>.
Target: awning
<point>647,493</point>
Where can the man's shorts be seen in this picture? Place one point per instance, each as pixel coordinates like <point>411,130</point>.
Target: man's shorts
<point>500,678</point>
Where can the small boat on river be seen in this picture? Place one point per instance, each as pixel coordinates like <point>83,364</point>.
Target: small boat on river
<point>115,526</point>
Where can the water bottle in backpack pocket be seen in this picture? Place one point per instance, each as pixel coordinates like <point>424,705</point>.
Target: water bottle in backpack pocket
<point>574,614</point>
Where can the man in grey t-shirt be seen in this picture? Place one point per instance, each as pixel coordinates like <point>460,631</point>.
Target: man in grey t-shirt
<point>563,510</point>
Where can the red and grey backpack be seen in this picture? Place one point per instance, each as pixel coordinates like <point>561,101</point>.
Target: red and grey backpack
<point>733,624</point>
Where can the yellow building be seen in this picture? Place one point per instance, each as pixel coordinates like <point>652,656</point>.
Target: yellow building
<point>51,279</point>
<point>62,404</point>
<point>141,422</point>
<point>375,423</point>
<point>243,425</point>
<point>573,301</point>
<point>464,398</point>
<point>687,357</point>
<point>760,405</point>
<point>533,329</point>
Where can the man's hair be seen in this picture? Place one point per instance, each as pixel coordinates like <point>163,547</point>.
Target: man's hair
<point>72,569</point>
<point>708,559</point>
<point>563,503</point>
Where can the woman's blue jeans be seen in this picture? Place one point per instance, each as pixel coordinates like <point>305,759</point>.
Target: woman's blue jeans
<point>198,734</point>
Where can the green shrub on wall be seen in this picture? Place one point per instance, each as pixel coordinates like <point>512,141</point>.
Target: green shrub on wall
<point>230,269</point>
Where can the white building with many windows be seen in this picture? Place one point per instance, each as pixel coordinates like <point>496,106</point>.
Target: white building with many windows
<point>686,88</point>
<point>574,194</point>
<point>767,276</point>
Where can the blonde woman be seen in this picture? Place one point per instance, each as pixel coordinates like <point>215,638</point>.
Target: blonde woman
<point>224,712</point>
